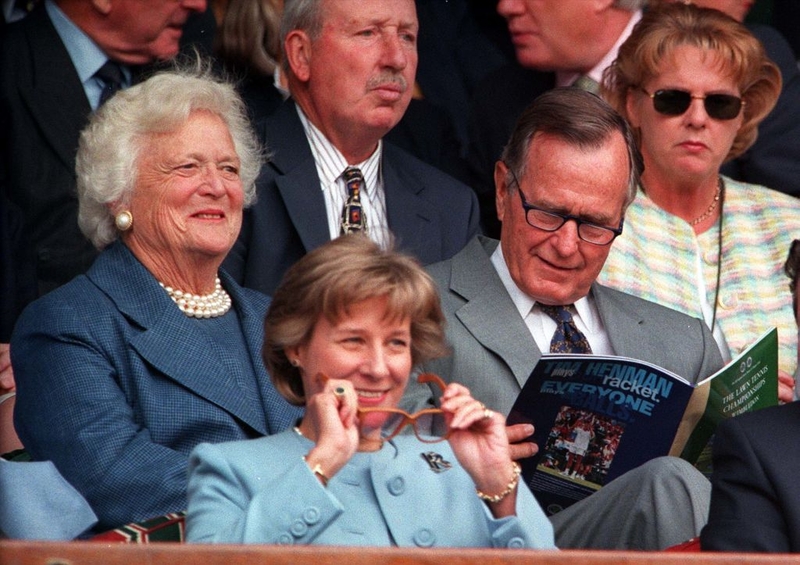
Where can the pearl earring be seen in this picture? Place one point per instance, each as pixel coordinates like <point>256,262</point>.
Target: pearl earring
<point>295,363</point>
<point>123,220</point>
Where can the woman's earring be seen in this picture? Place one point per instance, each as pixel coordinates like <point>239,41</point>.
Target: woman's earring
<point>295,363</point>
<point>123,220</point>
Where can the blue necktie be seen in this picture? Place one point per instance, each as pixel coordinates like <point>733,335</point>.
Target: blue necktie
<point>353,218</point>
<point>110,74</point>
<point>567,338</point>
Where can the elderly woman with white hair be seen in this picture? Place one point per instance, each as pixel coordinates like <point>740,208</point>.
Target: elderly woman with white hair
<point>122,371</point>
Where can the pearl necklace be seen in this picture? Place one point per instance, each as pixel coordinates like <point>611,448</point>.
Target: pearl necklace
<point>195,306</point>
<point>711,208</point>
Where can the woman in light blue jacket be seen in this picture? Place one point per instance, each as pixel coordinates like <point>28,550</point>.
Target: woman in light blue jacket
<point>342,334</point>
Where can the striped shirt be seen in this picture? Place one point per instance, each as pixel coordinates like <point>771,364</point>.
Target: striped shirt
<point>658,257</point>
<point>330,166</point>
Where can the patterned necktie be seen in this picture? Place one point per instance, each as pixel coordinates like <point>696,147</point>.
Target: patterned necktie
<point>353,218</point>
<point>587,83</point>
<point>567,338</point>
<point>110,74</point>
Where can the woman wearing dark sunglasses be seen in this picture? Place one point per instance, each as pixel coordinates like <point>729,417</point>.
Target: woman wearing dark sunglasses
<point>342,333</point>
<point>695,84</point>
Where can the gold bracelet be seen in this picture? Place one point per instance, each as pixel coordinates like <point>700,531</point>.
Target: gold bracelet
<point>512,484</point>
<point>318,472</point>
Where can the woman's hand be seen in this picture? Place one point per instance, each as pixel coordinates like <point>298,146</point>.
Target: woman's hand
<point>6,373</point>
<point>331,421</point>
<point>479,440</point>
<point>785,387</point>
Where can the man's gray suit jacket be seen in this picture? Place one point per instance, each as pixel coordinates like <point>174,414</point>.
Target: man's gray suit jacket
<point>659,504</point>
<point>494,353</point>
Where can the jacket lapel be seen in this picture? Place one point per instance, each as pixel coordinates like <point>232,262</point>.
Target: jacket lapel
<point>624,326</point>
<point>490,314</point>
<point>409,216</point>
<point>169,341</point>
<point>54,95</point>
<point>279,413</point>
<point>297,179</point>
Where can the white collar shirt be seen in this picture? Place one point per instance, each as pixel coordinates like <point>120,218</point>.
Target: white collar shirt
<point>541,326</point>
<point>86,56</point>
<point>596,73</point>
<point>330,165</point>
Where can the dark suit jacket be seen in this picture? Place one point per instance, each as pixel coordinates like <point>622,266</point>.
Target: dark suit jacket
<point>17,278</point>
<point>116,386</point>
<point>496,105</point>
<point>494,353</point>
<point>43,108</point>
<point>431,215</point>
<point>755,496</point>
<point>774,159</point>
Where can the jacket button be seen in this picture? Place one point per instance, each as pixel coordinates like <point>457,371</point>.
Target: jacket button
<point>311,516</point>
<point>516,543</point>
<point>424,538</point>
<point>285,539</point>
<point>396,486</point>
<point>299,528</point>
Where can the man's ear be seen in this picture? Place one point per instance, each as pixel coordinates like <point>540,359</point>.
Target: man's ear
<point>500,188</point>
<point>600,6</point>
<point>102,6</point>
<point>297,49</point>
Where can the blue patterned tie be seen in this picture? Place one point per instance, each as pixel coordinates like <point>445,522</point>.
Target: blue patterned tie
<point>567,338</point>
<point>353,218</point>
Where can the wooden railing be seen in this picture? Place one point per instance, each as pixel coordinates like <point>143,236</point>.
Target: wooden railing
<point>85,553</point>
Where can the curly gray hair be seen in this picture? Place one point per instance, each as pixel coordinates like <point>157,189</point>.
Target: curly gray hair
<point>110,145</point>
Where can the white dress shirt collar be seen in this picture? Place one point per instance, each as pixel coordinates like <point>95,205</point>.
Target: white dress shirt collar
<point>330,165</point>
<point>566,79</point>
<point>542,326</point>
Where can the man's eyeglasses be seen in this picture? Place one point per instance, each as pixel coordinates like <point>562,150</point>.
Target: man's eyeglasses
<point>674,102</point>
<point>552,221</point>
<point>391,421</point>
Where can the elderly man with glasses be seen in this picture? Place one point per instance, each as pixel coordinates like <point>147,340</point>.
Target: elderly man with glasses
<point>564,181</point>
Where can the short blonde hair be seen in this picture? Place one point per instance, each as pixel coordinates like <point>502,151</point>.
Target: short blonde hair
<point>668,26</point>
<point>336,275</point>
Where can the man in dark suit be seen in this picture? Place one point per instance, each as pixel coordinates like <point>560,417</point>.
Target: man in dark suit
<point>350,67</point>
<point>48,88</point>
<point>755,491</point>
<point>558,43</point>
<point>565,179</point>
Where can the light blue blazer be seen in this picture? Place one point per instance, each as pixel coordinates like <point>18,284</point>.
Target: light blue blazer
<point>261,491</point>
<point>116,386</point>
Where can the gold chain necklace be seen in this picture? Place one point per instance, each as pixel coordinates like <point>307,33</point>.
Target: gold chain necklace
<point>712,206</point>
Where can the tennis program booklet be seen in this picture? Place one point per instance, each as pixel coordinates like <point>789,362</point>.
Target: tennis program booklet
<point>597,417</point>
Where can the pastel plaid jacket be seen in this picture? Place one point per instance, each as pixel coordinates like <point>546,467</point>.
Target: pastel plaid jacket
<point>656,258</point>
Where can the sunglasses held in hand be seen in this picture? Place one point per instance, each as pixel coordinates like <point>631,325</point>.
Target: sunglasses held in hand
<point>674,102</point>
<point>428,424</point>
